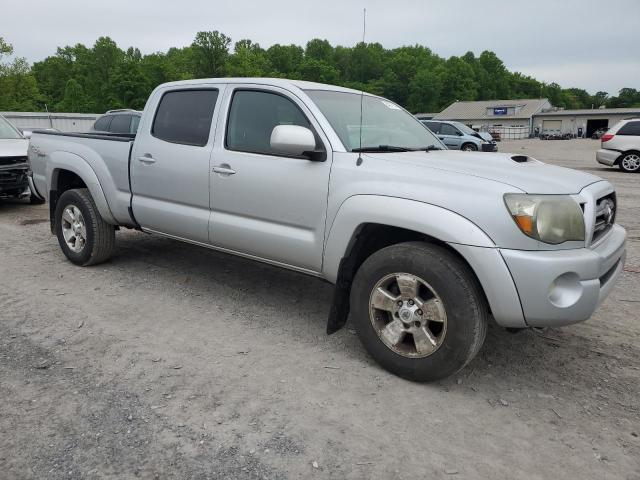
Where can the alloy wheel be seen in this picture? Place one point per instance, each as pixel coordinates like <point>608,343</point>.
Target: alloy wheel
<point>408,315</point>
<point>631,162</point>
<point>74,229</point>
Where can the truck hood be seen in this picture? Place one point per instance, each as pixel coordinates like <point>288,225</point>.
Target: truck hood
<point>523,173</point>
<point>13,147</point>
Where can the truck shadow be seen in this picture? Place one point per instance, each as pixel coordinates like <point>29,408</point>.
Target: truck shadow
<point>533,361</point>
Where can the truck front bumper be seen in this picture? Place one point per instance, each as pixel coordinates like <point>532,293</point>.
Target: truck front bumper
<point>562,287</point>
<point>14,181</point>
<point>489,147</point>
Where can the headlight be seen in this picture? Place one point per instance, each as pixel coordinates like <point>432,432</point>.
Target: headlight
<point>548,218</point>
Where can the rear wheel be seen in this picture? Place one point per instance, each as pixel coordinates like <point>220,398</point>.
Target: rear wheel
<point>418,310</point>
<point>84,237</point>
<point>469,147</point>
<point>630,162</point>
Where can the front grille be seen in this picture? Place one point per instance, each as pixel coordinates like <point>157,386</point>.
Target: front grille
<point>12,160</point>
<point>12,178</point>
<point>605,216</point>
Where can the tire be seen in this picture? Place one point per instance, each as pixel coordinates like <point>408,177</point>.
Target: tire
<point>469,147</point>
<point>457,298</point>
<point>94,243</point>
<point>630,162</point>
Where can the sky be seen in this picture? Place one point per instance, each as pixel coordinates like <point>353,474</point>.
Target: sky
<point>577,43</point>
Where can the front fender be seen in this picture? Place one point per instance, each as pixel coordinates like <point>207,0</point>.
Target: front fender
<point>437,222</point>
<point>467,238</point>
<point>58,161</point>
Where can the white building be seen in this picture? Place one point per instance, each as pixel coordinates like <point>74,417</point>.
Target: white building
<point>525,117</point>
<point>65,122</point>
<point>511,118</point>
<point>581,122</point>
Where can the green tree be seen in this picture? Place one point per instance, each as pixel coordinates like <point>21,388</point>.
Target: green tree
<point>318,71</point>
<point>18,87</point>
<point>319,50</point>
<point>600,99</point>
<point>627,98</point>
<point>74,99</point>
<point>285,59</point>
<point>210,53</point>
<point>104,76</point>
<point>248,60</point>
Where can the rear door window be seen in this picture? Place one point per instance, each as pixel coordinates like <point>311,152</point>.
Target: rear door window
<point>120,124</point>
<point>102,124</point>
<point>433,126</point>
<point>184,116</point>
<point>631,128</point>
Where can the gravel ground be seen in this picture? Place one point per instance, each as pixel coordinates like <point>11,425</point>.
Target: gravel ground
<point>172,361</point>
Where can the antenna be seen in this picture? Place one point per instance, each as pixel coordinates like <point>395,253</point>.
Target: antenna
<point>364,32</point>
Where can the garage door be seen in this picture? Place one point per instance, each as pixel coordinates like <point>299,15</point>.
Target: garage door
<point>551,126</point>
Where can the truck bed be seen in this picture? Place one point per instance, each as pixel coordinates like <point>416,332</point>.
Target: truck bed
<point>118,137</point>
<point>107,154</point>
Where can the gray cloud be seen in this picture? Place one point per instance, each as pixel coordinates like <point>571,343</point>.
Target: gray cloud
<point>583,43</point>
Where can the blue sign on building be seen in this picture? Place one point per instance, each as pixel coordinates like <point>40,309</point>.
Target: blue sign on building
<point>500,111</point>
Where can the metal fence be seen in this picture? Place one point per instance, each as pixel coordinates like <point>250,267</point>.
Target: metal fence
<point>508,133</point>
<point>65,122</point>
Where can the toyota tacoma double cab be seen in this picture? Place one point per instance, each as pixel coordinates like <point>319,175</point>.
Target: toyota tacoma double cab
<point>424,245</point>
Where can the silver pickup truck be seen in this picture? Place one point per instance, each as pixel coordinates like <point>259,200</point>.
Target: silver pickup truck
<point>424,245</point>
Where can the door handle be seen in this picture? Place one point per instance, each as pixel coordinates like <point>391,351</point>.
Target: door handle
<point>224,169</point>
<point>146,158</point>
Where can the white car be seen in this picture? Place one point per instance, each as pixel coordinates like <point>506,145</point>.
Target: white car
<point>621,146</point>
<point>15,181</point>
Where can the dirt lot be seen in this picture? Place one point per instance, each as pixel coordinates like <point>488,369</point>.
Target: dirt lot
<point>172,361</point>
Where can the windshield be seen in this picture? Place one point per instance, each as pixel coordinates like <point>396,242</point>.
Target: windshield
<point>7,131</point>
<point>464,129</point>
<point>385,126</point>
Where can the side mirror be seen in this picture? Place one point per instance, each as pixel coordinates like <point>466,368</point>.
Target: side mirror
<point>293,140</point>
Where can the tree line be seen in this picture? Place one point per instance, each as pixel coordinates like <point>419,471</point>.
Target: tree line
<point>104,76</point>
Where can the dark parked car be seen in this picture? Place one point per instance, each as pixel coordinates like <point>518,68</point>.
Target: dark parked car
<point>123,121</point>
<point>597,135</point>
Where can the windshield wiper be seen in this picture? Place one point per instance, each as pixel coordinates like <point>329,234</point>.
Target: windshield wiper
<point>383,148</point>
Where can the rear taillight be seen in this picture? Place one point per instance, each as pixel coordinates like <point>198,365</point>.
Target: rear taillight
<point>606,137</point>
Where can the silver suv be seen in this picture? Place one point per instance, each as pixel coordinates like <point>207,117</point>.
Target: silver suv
<point>123,121</point>
<point>621,146</point>
<point>457,136</point>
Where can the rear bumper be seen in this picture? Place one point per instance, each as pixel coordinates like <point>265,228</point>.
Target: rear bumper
<point>607,157</point>
<point>562,287</point>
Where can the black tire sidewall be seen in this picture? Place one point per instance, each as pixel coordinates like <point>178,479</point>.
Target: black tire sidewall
<point>72,197</point>
<point>469,147</point>
<point>446,275</point>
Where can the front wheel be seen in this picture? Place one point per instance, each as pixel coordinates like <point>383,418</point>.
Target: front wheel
<point>630,162</point>
<point>469,147</point>
<point>84,237</point>
<point>418,310</point>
